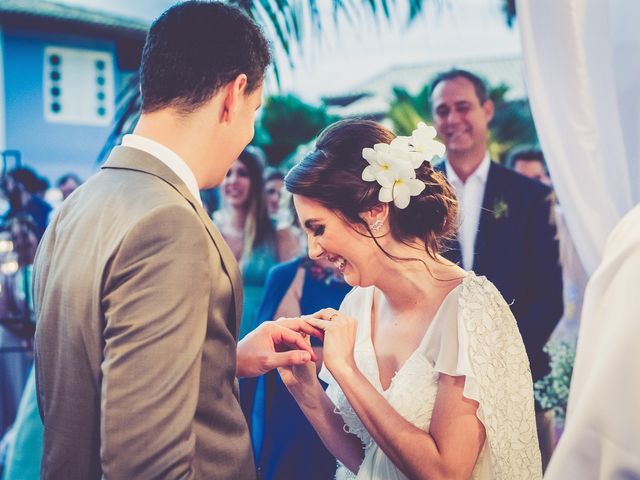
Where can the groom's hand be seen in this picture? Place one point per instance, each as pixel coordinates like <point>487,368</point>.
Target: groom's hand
<point>284,342</point>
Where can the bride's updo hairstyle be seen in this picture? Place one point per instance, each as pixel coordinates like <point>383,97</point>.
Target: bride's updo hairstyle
<point>332,175</point>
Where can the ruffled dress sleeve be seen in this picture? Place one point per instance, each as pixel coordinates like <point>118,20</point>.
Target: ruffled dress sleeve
<point>484,345</point>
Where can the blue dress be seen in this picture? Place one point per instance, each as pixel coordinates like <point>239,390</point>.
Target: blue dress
<point>255,268</point>
<point>285,445</point>
<point>25,450</point>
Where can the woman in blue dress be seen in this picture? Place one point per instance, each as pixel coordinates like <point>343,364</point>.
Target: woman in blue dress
<point>285,444</point>
<point>244,223</point>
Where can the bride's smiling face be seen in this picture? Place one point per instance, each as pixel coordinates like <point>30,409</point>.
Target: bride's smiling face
<point>341,243</point>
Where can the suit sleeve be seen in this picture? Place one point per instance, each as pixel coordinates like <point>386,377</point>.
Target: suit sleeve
<point>156,297</point>
<point>543,294</point>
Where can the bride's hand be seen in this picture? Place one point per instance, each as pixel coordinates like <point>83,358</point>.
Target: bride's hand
<point>296,376</point>
<point>274,344</point>
<point>339,338</point>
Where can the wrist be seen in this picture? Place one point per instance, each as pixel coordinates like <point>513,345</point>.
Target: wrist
<point>343,370</point>
<point>306,394</point>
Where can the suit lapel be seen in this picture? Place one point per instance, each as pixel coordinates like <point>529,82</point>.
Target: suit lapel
<point>134,159</point>
<point>228,261</point>
<point>487,220</point>
<point>453,250</point>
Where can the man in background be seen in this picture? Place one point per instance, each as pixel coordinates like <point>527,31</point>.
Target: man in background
<point>530,163</point>
<point>67,184</point>
<point>505,229</point>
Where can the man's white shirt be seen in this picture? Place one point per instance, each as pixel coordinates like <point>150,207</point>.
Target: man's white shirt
<point>470,195</point>
<point>166,156</point>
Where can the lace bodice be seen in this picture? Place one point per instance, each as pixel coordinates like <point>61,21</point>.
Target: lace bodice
<point>473,335</point>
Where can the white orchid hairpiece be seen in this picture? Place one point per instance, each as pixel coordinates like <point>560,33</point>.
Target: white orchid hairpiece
<point>393,165</point>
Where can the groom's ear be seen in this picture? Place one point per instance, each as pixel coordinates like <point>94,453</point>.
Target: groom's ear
<point>233,95</point>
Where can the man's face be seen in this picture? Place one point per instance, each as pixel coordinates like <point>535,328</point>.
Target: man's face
<point>461,121</point>
<point>246,116</point>
<point>68,187</point>
<point>239,131</point>
<point>533,169</point>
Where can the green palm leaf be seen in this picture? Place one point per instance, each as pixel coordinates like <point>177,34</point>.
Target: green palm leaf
<point>287,19</point>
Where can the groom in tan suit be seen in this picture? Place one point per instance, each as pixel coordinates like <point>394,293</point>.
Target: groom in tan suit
<point>138,298</point>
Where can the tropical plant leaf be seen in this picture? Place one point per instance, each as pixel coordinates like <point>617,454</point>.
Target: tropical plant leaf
<point>287,20</point>
<point>286,123</point>
<point>126,115</point>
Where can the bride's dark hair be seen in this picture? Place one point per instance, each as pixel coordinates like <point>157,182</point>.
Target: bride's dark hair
<point>332,175</point>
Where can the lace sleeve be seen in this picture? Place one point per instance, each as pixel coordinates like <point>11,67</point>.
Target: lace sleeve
<point>500,381</point>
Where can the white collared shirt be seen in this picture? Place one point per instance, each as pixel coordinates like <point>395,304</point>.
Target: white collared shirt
<point>166,156</point>
<point>470,195</point>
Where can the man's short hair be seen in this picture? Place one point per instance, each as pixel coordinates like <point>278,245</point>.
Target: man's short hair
<point>66,177</point>
<point>526,154</point>
<point>193,49</point>
<point>478,84</point>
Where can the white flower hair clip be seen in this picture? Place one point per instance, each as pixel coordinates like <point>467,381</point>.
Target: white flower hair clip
<point>393,165</point>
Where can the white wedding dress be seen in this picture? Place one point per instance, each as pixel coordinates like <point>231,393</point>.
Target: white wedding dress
<point>473,335</point>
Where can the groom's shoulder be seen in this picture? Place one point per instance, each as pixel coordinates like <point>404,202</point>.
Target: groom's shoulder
<point>130,193</point>
<point>114,202</point>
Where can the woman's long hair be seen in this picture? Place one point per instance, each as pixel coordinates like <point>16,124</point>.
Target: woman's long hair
<point>258,228</point>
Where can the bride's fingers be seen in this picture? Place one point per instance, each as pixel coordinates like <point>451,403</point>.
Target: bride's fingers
<point>318,323</point>
<point>326,314</point>
<point>300,325</point>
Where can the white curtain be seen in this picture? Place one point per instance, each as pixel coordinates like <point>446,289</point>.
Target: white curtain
<point>582,62</point>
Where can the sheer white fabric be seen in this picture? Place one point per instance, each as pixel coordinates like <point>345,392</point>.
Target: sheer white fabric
<point>582,68</point>
<point>473,335</point>
<point>600,439</point>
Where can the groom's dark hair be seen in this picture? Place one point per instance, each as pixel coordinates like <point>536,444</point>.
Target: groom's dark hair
<point>193,49</point>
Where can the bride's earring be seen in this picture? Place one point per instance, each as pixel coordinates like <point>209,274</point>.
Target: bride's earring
<point>376,226</point>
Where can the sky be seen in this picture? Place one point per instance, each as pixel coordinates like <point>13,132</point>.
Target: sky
<point>359,48</point>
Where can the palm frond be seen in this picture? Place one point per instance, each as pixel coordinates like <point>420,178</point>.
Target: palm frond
<point>126,115</point>
<point>287,17</point>
<point>274,19</point>
<point>287,21</point>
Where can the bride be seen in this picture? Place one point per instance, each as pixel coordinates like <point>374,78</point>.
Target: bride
<point>427,373</point>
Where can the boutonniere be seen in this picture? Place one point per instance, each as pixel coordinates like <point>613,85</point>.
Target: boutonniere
<point>500,209</point>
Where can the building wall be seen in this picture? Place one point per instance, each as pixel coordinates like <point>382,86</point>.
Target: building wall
<point>52,148</point>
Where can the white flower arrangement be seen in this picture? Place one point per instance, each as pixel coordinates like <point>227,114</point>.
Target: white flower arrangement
<point>394,165</point>
<point>552,391</point>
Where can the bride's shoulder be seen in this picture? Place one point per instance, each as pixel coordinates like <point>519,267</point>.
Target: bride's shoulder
<point>478,289</point>
<point>357,300</point>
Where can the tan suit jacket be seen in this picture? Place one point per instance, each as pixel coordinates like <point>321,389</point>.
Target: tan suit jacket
<point>138,300</point>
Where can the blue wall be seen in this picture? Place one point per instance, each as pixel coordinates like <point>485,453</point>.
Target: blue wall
<point>51,148</point>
